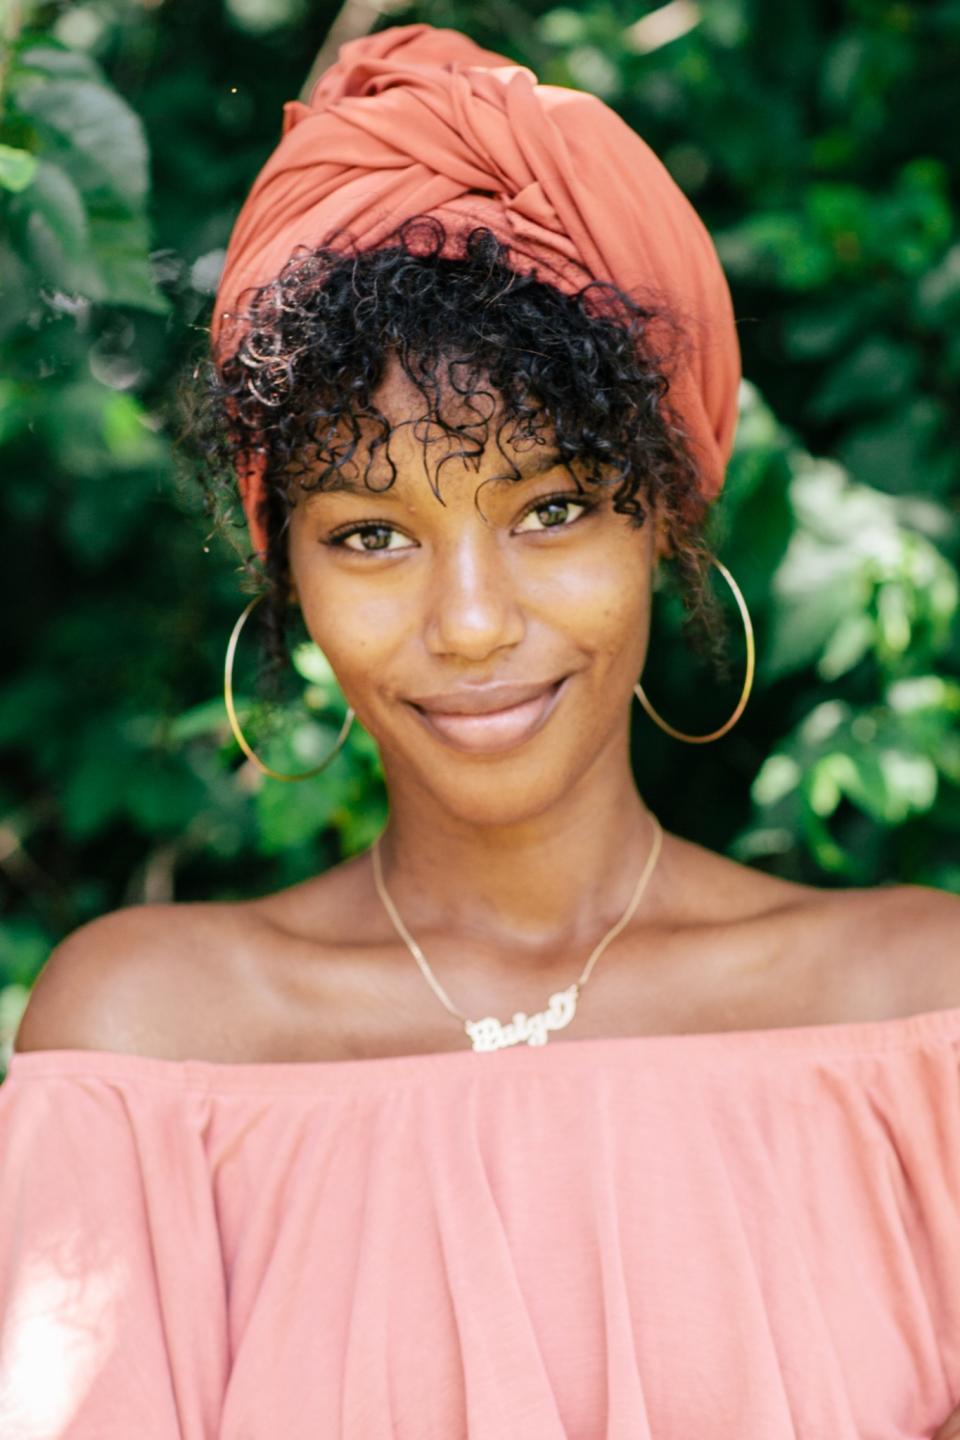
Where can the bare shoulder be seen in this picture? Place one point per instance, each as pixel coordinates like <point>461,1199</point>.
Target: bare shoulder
<point>899,922</point>
<point>895,921</point>
<point>859,953</point>
<point>883,952</point>
<point>913,936</point>
<point>217,980</point>
<point>139,980</point>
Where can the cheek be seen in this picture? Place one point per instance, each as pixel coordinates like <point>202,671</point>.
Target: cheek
<point>356,631</point>
<point>603,598</point>
<point>359,636</point>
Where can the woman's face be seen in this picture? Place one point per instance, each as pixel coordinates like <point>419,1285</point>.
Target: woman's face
<point>524,598</point>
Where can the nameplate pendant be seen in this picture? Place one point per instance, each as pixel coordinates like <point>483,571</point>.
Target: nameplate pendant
<point>489,1034</point>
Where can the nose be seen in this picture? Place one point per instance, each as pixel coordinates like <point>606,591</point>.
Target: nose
<point>473,607</point>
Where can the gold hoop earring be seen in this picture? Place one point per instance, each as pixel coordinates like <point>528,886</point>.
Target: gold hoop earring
<point>235,724</point>
<point>747,683</point>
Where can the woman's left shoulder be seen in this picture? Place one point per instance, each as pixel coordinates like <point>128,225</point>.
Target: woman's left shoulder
<point>877,952</point>
<point>902,940</point>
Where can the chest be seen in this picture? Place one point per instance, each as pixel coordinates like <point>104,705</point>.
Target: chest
<point>796,970</point>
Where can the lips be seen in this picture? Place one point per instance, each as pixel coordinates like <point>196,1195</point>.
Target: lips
<point>481,699</point>
<point>481,730</point>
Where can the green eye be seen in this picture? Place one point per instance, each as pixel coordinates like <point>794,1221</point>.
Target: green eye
<point>378,536</point>
<point>554,514</point>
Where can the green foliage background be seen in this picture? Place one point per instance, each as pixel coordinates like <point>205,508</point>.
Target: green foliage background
<point>813,140</point>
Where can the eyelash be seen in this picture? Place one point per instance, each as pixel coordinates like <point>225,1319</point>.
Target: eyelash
<point>337,537</point>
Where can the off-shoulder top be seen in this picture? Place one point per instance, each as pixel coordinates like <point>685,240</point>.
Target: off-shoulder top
<point>745,1235</point>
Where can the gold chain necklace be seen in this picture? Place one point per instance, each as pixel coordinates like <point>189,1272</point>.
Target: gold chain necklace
<point>488,1033</point>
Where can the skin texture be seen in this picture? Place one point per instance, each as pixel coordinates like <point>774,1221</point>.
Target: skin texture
<point>536,840</point>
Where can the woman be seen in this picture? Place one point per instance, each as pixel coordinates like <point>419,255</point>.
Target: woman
<point>392,1169</point>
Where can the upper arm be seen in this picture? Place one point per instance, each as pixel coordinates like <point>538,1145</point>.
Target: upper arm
<point>93,990</point>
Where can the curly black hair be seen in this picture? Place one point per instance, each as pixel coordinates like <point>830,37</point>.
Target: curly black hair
<point>580,369</point>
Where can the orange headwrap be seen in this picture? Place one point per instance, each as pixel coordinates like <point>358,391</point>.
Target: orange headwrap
<point>418,120</point>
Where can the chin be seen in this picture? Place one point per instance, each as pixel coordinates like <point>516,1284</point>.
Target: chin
<point>496,791</point>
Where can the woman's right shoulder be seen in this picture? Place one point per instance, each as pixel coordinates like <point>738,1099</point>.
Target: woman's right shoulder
<point>130,979</point>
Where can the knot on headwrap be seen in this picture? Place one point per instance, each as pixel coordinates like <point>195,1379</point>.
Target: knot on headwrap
<point>417,120</point>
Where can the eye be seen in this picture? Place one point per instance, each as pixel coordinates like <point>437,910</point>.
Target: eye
<point>375,537</point>
<point>378,536</point>
<point>554,511</point>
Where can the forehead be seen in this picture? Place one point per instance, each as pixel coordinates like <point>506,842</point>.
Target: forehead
<point>445,423</point>
<point>451,403</point>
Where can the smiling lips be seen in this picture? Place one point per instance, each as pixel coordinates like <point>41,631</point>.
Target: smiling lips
<point>490,718</point>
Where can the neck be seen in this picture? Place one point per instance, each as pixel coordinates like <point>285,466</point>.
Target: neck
<point>540,886</point>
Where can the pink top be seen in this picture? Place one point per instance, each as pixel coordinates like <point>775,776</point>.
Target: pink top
<point>752,1235</point>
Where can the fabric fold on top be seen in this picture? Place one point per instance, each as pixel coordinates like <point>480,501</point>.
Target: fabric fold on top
<point>113,1318</point>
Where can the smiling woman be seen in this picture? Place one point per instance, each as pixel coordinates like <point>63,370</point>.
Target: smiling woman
<point>474,370</point>
<point>485,368</point>
<point>478,588</point>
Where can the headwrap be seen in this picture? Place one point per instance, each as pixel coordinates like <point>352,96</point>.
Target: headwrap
<point>418,120</point>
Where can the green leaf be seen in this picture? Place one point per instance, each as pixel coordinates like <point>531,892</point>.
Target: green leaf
<point>911,783</point>
<point>293,814</point>
<point>924,692</point>
<point>938,290</point>
<point>16,283</point>
<point>84,249</point>
<point>847,646</point>
<point>51,58</point>
<point>97,431</point>
<point>121,246</point>
<point>896,453</point>
<point>51,220</point>
<point>24,946</point>
<point>778,776</point>
<point>207,718</point>
<point>96,129</point>
<point>359,823</point>
<point>877,373</point>
<point>817,330</point>
<point>814,590</point>
<point>17,168</point>
<point>165,797</point>
<point>310,662</point>
<point>562,26</point>
<point>777,246</point>
<point>12,417</point>
<point>92,792</point>
<point>109,460</point>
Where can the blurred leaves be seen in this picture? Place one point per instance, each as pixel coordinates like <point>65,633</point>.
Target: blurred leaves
<point>860,601</point>
<point>17,168</point>
<point>79,221</point>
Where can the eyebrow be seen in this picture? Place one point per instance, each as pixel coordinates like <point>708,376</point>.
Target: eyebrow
<point>340,485</point>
